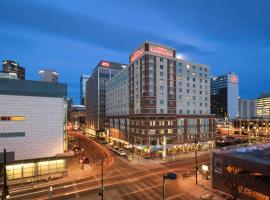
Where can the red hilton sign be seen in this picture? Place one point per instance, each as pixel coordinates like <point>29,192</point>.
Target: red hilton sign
<point>233,79</point>
<point>136,54</point>
<point>105,64</point>
<point>161,51</point>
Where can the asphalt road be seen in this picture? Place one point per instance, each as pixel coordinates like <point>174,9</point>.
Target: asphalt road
<point>122,179</point>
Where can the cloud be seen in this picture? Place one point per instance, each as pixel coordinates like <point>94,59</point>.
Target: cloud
<point>63,23</point>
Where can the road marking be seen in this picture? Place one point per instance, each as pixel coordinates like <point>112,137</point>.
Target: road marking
<point>141,190</point>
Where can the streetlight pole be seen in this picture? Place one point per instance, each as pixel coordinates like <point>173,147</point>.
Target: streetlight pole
<point>102,180</point>
<point>132,143</point>
<point>196,159</point>
<point>5,192</point>
<point>163,196</point>
<point>171,176</point>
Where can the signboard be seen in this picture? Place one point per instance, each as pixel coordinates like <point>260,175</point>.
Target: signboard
<point>233,79</point>
<point>105,64</point>
<point>137,54</point>
<point>161,51</point>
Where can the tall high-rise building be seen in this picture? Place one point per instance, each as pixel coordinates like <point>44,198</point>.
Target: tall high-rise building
<point>32,128</point>
<point>95,94</point>
<point>160,102</point>
<point>263,105</point>
<point>83,80</point>
<point>225,96</point>
<point>10,66</point>
<point>48,75</point>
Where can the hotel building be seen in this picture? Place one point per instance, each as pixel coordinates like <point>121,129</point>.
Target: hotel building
<point>160,102</point>
<point>225,96</point>
<point>95,95</point>
<point>32,128</point>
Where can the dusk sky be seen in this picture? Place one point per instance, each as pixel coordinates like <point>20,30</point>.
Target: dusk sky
<point>72,36</point>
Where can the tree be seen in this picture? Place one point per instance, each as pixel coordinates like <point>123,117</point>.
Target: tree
<point>235,181</point>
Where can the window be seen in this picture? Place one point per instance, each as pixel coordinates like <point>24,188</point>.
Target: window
<point>170,131</point>
<point>188,78</point>
<point>161,87</point>
<point>161,101</point>
<point>161,66</point>
<point>161,59</point>
<point>194,79</point>
<point>161,73</point>
<point>12,118</point>
<point>161,110</point>
<point>188,67</point>
<point>12,134</point>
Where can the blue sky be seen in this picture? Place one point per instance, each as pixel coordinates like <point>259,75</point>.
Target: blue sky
<point>71,36</point>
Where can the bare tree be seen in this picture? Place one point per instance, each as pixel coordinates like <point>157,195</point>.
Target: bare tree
<point>235,181</point>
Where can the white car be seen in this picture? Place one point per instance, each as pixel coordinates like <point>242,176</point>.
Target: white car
<point>121,152</point>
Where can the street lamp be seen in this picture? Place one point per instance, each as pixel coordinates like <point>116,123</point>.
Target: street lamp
<point>171,176</point>
<point>102,182</point>
<point>196,159</point>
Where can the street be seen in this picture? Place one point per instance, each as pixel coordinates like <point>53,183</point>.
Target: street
<point>122,178</point>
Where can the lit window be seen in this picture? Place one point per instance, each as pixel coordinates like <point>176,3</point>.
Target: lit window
<point>188,67</point>
<point>12,118</point>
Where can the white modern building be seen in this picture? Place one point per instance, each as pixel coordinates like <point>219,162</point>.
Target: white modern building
<point>33,127</point>
<point>247,108</point>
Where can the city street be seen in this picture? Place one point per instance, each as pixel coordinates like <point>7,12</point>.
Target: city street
<point>122,178</point>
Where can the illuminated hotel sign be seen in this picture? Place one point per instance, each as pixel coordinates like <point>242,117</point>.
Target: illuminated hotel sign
<point>105,64</point>
<point>137,54</point>
<point>233,79</point>
<point>161,51</point>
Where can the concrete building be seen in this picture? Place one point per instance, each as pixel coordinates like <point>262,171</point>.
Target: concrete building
<point>160,102</point>
<point>77,116</point>
<point>8,75</point>
<point>48,75</point>
<point>10,66</point>
<point>247,168</point>
<point>247,108</point>
<point>33,128</point>
<point>263,105</point>
<point>83,80</point>
<point>253,127</point>
<point>95,95</point>
<point>225,95</point>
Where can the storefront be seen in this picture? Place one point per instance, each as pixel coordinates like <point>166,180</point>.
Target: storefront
<point>36,170</point>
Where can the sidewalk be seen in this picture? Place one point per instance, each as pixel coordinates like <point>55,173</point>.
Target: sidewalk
<point>203,188</point>
<point>143,161</point>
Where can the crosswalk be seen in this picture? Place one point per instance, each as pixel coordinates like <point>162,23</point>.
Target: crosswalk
<point>150,189</point>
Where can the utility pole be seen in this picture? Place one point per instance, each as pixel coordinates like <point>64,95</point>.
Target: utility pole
<point>5,192</point>
<point>196,159</point>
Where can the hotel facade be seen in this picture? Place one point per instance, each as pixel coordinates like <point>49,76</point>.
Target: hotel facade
<point>159,103</point>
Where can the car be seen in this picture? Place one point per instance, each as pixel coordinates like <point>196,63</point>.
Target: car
<point>121,152</point>
<point>86,161</point>
<point>77,148</point>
